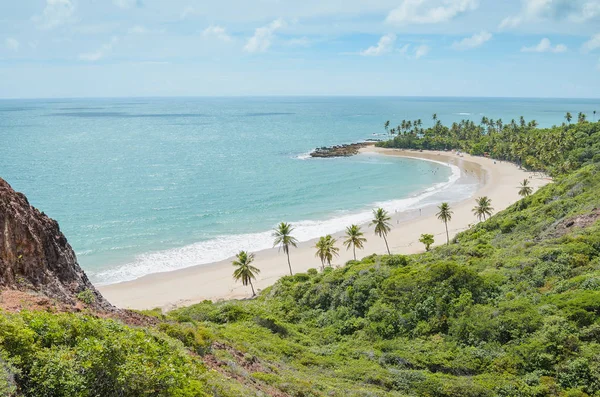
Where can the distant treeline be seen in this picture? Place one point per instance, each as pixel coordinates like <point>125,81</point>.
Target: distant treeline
<point>555,150</point>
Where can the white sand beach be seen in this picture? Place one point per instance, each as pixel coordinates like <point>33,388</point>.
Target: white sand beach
<point>498,181</point>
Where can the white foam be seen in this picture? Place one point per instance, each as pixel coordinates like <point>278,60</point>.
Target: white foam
<point>464,114</point>
<point>224,247</point>
<point>303,156</point>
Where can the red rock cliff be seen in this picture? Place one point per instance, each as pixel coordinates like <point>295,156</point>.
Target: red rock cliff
<point>35,255</point>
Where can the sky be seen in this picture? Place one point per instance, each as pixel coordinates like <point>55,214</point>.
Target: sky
<point>127,48</point>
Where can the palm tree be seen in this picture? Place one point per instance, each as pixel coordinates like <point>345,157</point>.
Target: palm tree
<point>354,238</point>
<point>426,239</point>
<point>381,221</point>
<point>483,208</point>
<point>284,239</point>
<point>244,270</point>
<point>445,215</point>
<point>581,117</point>
<point>434,117</point>
<point>594,115</point>
<point>326,250</point>
<point>386,126</point>
<point>524,188</point>
<point>568,117</point>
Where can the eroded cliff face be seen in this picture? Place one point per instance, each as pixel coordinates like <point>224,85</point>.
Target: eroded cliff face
<point>35,255</point>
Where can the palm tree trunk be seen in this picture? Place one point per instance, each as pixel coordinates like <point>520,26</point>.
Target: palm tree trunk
<point>354,250</point>
<point>447,235</point>
<point>484,217</point>
<point>289,265</point>
<point>252,286</point>
<point>386,245</point>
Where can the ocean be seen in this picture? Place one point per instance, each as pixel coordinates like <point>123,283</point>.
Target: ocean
<point>145,185</point>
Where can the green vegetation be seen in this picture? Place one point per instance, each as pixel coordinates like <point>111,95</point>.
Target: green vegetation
<point>86,296</point>
<point>524,188</point>
<point>557,150</point>
<point>326,250</point>
<point>510,307</point>
<point>381,221</point>
<point>244,270</point>
<point>354,238</point>
<point>483,208</point>
<point>445,215</point>
<point>427,240</point>
<point>284,239</point>
<point>45,354</point>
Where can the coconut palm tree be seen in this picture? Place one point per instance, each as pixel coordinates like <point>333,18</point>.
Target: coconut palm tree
<point>244,270</point>
<point>426,239</point>
<point>524,188</point>
<point>386,126</point>
<point>483,208</point>
<point>381,221</point>
<point>326,250</point>
<point>568,117</point>
<point>284,239</point>
<point>354,238</point>
<point>445,215</point>
<point>594,116</point>
<point>581,117</point>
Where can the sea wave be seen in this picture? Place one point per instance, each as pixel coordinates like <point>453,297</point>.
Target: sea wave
<point>224,247</point>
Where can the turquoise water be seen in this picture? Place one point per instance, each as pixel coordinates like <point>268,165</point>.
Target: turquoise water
<point>148,185</point>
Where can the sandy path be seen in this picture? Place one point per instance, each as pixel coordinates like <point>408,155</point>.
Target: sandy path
<point>498,181</point>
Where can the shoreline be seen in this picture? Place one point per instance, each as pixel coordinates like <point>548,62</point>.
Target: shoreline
<point>213,281</point>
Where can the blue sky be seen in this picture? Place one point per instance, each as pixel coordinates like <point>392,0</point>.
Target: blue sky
<point>91,48</point>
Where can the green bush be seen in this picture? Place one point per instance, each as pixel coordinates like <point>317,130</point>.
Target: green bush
<point>86,296</point>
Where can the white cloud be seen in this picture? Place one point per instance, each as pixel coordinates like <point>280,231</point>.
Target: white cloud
<point>421,51</point>
<point>592,44</point>
<point>127,3</point>
<point>12,44</point>
<point>429,11</point>
<point>576,11</point>
<point>216,32</point>
<point>384,46</point>
<point>100,53</point>
<point>56,13</point>
<point>545,46</point>
<point>137,29</point>
<point>474,41</point>
<point>589,10</point>
<point>263,37</point>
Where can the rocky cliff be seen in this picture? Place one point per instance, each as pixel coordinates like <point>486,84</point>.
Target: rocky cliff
<point>35,255</point>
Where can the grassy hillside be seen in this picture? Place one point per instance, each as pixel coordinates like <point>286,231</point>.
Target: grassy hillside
<point>510,308</point>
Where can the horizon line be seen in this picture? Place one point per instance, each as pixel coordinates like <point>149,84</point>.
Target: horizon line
<point>288,96</point>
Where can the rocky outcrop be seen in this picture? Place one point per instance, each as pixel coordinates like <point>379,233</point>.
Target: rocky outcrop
<point>35,255</point>
<point>346,150</point>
